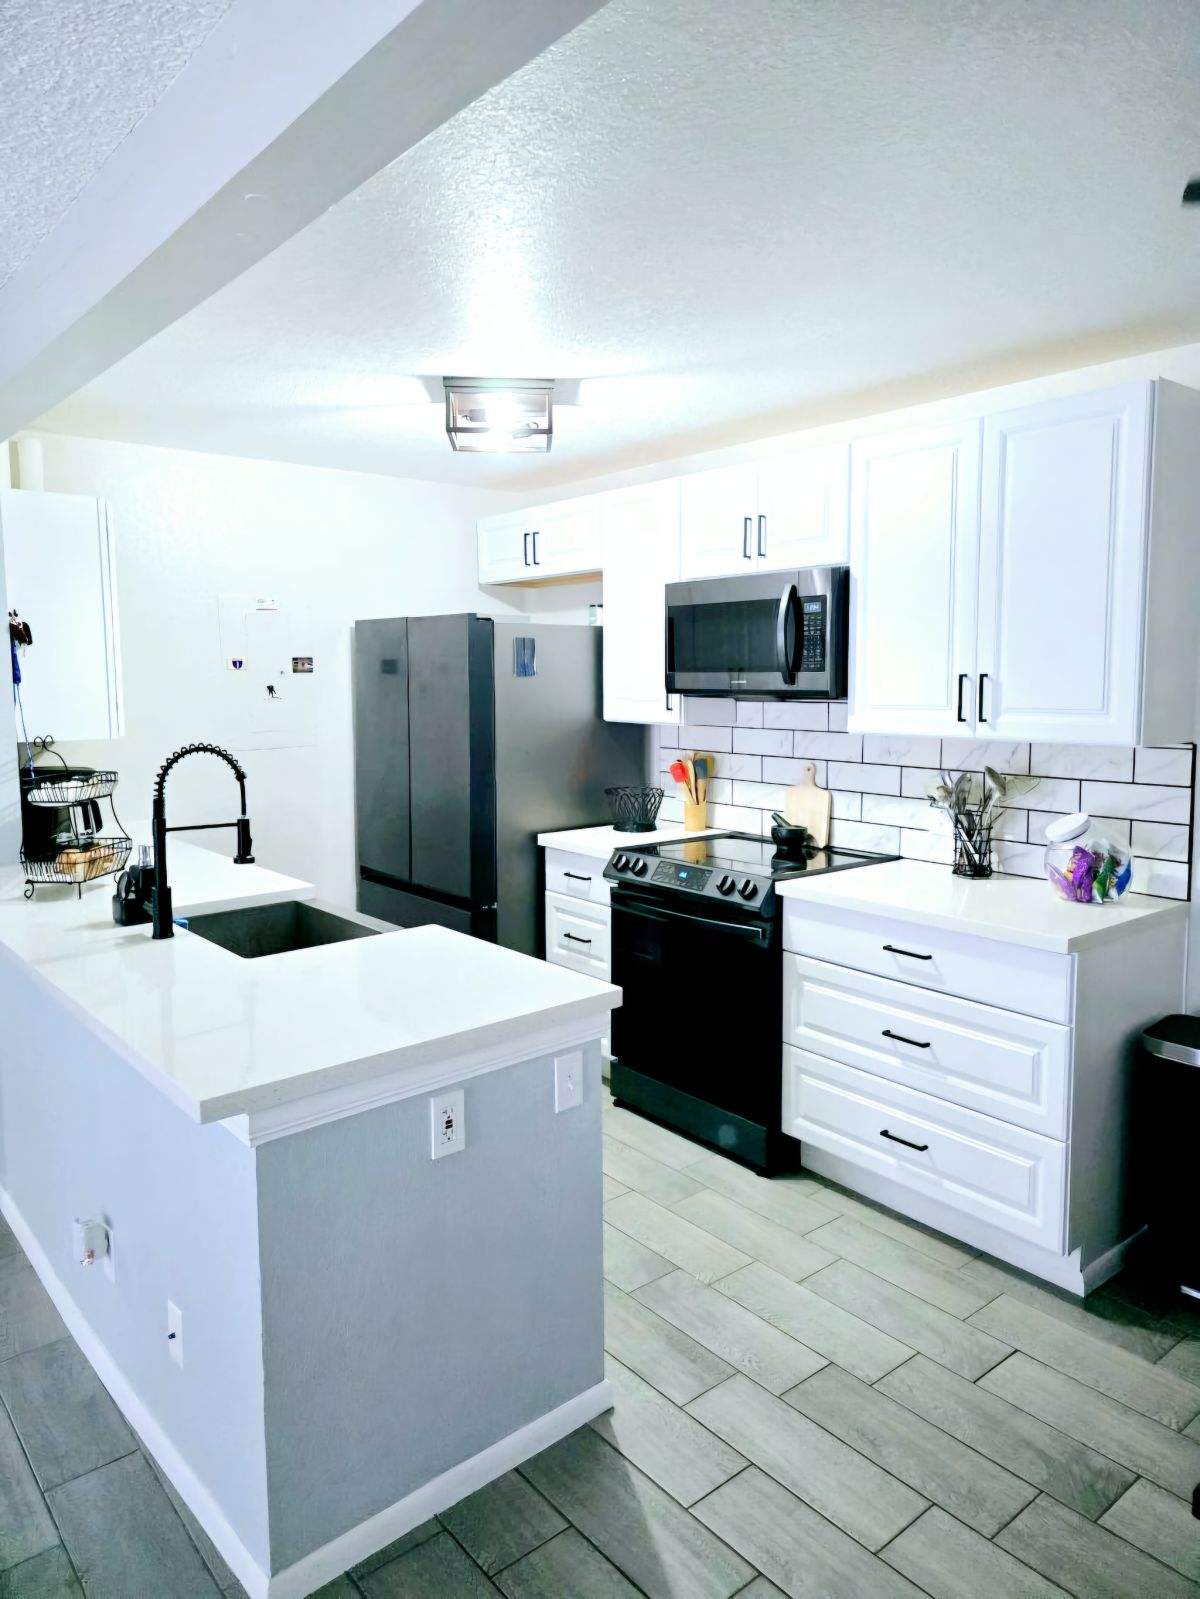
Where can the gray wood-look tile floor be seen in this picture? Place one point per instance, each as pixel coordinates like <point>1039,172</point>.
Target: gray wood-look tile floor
<point>813,1397</point>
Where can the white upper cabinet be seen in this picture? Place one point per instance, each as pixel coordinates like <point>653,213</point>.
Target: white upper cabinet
<point>716,519</point>
<point>913,564</point>
<point>803,508</point>
<point>558,540</point>
<point>59,565</point>
<point>641,556</point>
<point>1062,541</point>
<point>788,511</point>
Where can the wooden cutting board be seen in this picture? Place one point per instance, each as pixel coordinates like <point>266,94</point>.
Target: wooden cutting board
<point>810,806</point>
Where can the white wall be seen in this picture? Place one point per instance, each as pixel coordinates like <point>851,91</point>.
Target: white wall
<point>193,527</point>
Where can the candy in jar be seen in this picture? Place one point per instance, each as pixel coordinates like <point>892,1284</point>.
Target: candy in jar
<point>1082,865</point>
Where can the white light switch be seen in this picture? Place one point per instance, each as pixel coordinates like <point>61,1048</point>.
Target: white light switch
<point>568,1080</point>
<point>447,1129</point>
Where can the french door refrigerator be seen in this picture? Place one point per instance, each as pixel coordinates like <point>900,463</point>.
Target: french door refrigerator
<point>471,736</point>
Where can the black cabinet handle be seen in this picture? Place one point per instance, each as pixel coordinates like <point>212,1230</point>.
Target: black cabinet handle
<point>526,548</point>
<point>746,521</point>
<point>578,876</point>
<point>962,678</point>
<point>575,939</point>
<point>762,534</point>
<point>900,1039</point>
<point>983,677</point>
<point>536,562</point>
<point>911,954</point>
<point>908,1144</point>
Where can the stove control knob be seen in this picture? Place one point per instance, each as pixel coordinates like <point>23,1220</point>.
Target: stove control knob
<point>620,862</point>
<point>638,866</point>
<point>748,888</point>
<point>725,885</point>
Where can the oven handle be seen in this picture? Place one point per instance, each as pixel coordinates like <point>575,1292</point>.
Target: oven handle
<point>745,930</point>
<point>786,657</point>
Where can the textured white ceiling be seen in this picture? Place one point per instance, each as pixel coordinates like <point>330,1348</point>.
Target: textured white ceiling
<point>742,216</point>
<point>75,77</point>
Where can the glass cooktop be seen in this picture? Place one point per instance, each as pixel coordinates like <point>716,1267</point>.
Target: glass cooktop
<point>746,852</point>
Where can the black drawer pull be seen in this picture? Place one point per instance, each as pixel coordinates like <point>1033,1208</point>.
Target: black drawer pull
<point>894,949</point>
<point>900,1039</point>
<point>575,939</point>
<point>578,876</point>
<point>908,1144</point>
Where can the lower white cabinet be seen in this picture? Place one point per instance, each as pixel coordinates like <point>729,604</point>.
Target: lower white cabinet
<point>980,1086</point>
<point>578,918</point>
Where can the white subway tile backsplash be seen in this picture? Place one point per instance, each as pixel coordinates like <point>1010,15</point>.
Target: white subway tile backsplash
<point>1163,766</point>
<point>811,718</point>
<point>1081,760</point>
<point>972,755</point>
<point>706,712</point>
<point>869,779</point>
<point>1141,801</point>
<point>1164,841</point>
<point>830,746</point>
<point>762,740</point>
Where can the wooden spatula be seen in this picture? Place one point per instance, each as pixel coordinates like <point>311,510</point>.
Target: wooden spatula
<point>810,806</point>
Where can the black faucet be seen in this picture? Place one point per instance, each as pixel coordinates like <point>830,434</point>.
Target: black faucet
<point>160,898</point>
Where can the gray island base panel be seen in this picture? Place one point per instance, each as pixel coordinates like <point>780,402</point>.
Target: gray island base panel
<point>368,1334</point>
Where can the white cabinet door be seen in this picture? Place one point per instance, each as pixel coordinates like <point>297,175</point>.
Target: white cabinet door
<point>641,556</point>
<point>803,509</point>
<point>914,546</point>
<point>1062,542</point>
<point>59,564</point>
<point>565,539</point>
<point>717,513</point>
<point>504,555</point>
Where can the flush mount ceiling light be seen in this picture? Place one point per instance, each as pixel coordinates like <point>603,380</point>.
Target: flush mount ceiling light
<point>513,415</point>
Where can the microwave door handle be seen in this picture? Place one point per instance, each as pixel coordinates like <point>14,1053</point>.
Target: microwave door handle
<point>785,652</point>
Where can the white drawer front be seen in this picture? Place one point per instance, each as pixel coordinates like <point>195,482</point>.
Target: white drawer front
<point>578,935</point>
<point>1001,1174</point>
<point>580,876</point>
<point>995,1061</point>
<point>1032,981</point>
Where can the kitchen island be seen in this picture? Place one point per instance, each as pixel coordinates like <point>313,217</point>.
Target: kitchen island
<point>364,1333</point>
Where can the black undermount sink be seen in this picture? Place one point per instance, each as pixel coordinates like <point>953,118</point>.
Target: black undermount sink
<point>293,924</point>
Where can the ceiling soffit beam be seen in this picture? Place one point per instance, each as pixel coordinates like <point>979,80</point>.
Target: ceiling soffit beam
<point>287,107</point>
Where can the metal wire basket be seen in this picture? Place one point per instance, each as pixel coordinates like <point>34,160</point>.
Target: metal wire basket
<point>77,862</point>
<point>65,790</point>
<point>633,810</point>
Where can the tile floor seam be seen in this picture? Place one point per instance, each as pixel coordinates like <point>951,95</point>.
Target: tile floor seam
<point>572,1525</point>
<point>42,1493</point>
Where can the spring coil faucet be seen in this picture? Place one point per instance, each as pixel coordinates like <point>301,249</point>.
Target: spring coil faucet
<point>160,900</point>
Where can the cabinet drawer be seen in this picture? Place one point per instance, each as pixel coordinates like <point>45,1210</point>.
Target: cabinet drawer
<point>578,935</point>
<point>1034,982</point>
<point>990,1060</point>
<point>1004,1175</point>
<point>580,876</point>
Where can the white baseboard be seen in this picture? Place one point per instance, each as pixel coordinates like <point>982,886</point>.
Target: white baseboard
<point>331,1559</point>
<point>1064,1271</point>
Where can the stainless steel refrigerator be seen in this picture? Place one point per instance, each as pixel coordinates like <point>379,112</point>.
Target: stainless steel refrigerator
<point>471,736</point>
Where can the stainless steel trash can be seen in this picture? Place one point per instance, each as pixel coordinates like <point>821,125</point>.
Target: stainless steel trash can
<point>1167,1130</point>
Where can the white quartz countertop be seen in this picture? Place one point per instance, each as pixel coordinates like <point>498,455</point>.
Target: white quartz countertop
<point>1014,910</point>
<point>223,1036</point>
<point>601,841</point>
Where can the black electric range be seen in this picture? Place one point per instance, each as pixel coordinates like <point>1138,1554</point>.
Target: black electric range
<point>697,950</point>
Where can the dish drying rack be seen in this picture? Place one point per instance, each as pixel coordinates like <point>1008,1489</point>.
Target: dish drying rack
<point>89,852</point>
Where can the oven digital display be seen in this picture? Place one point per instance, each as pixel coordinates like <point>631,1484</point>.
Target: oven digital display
<point>682,876</point>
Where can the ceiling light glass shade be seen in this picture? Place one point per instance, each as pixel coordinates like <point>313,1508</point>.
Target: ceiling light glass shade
<point>515,416</point>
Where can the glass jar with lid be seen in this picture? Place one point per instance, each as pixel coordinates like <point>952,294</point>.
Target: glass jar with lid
<point>1082,864</point>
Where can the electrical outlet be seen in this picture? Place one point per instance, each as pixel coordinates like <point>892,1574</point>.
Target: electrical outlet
<point>447,1128</point>
<point>175,1332</point>
<point>568,1080</point>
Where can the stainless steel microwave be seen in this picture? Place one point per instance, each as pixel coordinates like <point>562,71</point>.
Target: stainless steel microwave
<point>773,635</point>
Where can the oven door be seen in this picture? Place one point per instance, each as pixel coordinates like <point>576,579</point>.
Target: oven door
<point>781,635</point>
<point>696,1039</point>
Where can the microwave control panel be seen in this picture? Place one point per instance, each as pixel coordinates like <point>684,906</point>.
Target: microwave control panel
<point>814,631</point>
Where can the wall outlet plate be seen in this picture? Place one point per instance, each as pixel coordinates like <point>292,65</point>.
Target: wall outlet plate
<point>568,1080</point>
<point>447,1128</point>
